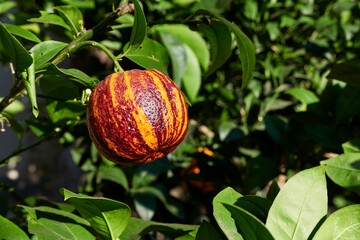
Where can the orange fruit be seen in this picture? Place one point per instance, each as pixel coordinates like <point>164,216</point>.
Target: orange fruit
<point>137,116</point>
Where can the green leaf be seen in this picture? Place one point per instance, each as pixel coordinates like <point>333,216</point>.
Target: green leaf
<point>256,205</point>
<point>6,6</point>
<point>273,190</point>
<point>108,217</point>
<point>223,215</point>
<point>342,224</point>
<point>45,51</point>
<point>351,146</point>
<point>50,18</point>
<point>177,52</point>
<point>45,228</point>
<point>207,231</point>
<point>348,72</point>
<point>73,17</point>
<point>305,96</point>
<point>14,107</point>
<point>76,75</point>
<point>248,225</point>
<point>299,206</point>
<point>13,49</point>
<point>150,55</point>
<point>9,230</point>
<point>138,228</point>
<point>220,40</point>
<point>21,32</point>
<point>190,38</point>
<point>53,213</point>
<point>138,32</point>
<point>344,170</point>
<point>114,174</point>
<point>145,203</point>
<point>192,75</point>
<point>29,83</point>
<point>80,3</point>
<point>246,48</point>
<point>60,112</point>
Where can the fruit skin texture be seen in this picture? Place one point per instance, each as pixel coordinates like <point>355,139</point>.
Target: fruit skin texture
<point>137,116</point>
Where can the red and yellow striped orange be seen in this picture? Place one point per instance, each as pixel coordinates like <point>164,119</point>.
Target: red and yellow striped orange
<point>137,116</point>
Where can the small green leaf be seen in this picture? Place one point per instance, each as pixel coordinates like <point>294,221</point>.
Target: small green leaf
<point>299,206</point>
<point>246,48</point>
<point>138,32</point>
<point>150,55</point>
<point>192,75</point>
<point>248,225</point>
<point>145,204</point>
<point>50,18</point>
<point>138,228</point>
<point>9,230</point>
<point>14,107</point>
<point>108,217</point>
<point>29,83</point>
<point>53,213</point>
<point>73,17</point>
<point>177,52</point>
<point>344,170</point>
<point>45,51</point>
<point>223,215</point>
<point>273,190</point>
<point>62,111</point>
<point>75,75</point>
<point>190,38</point>
<point>45,228</point>
<point>348,72</point>
<point>80,3</point>
<point>13,49</point>
<point>351,146</point>
<point>114,174</point>
<point>21,32</point>
<point>342,224</point>
<point>6,6</point>
<point>305,96</point>
<point>220,41</point>
<point>207,231</point>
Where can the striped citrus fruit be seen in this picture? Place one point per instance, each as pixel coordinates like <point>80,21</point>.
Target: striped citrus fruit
<point>137,116</point>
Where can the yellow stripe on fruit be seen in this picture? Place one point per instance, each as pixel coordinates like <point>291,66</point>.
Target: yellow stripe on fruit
<point>144,127</point>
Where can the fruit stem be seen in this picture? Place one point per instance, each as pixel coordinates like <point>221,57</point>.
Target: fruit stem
<point>117,67</point>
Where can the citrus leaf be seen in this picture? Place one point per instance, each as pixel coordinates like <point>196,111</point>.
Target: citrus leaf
<point>73,17</point>
<point>351,146</point>
<point>21,32</point>
<point>113,174</point>
<point>29,83</point>
<point>150,55</point>
<point>177,52</point>
<point>190,38</point>
<point>342,224</point>
<point>50,18</point>
<point>45,228</point>
<point>246,47</point>
<point>137,228</point>
<point>41,211</point>
<point>9,230</point>
<point>299,206</point>
<point>248,225</point>
<point>207,231</point>
<point>220,41</point>
<point>5,6</point>
<point>108,217</point>
<point>344,170</point>
<point>45,51</point>
<point>138,32</point>
<point>192,75</point>
<point>13,49</point>
<point>223,215</point>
